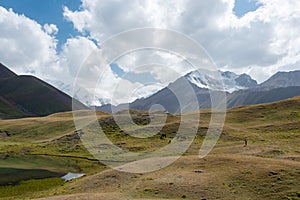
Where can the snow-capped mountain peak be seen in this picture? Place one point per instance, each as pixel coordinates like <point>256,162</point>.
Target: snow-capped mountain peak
<point>228,82</point>
<point>231,81</point>
<point>79,93</point>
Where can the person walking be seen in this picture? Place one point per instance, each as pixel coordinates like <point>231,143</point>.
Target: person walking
<point>245,142</point>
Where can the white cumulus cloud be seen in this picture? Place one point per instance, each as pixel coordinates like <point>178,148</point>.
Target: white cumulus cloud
<point>25,46</point>
<point>51,29</point>
<point>266,38</point>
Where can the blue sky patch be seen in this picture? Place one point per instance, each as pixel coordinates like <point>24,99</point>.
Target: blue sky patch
<point>242,7</point>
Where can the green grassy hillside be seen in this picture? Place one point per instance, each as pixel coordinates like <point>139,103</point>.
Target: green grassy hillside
<point>8,110</point>
<point>267,168</point>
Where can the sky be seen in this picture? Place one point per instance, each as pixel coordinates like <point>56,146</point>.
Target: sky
<point>46,12</point>
<point>51,39</point>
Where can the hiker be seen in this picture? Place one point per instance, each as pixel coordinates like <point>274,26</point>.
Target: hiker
<point>246,142</point>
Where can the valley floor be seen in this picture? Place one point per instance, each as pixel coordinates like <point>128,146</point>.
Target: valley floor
<point>267,168</point>
<point>237,173</point>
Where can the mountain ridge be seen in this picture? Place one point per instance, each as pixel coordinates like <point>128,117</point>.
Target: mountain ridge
<point>282,79</point>
<point>26,96</point>
<point>253,94</point>
<point>5,72</point>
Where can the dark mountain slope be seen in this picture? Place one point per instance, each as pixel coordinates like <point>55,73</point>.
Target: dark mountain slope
<point>282,79</point>
<point>248,97</point>
<point>5,72</point>
<point>29,96</point>
<point>8,110</point>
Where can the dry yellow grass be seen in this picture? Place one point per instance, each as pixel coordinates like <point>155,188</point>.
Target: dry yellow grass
<point>268,168</point>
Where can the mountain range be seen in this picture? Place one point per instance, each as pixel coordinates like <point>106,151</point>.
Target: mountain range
<point>23,96</point>
<point>240,90</point>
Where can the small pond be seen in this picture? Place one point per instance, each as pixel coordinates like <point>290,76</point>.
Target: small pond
<point>70,176</point>
<point>12,176</point>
